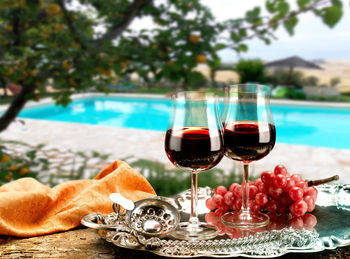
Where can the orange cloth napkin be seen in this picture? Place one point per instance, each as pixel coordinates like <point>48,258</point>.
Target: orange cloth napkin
<point>29,208</point>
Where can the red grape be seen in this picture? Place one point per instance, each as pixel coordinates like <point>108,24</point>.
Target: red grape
<point>302,184</point>
<point>280,181</point>
<point>237,205</point>
<point>257,181</point>
<point>275,193</point>
<point>296,177</point>
<point>229,198</point>
<point>237,191</point>
<point>262,187</point>
<point>221,190</point>
<point>210,204</point>
<point>311,191</point>
<point>218,200</point>
<point>280,169</point>
<point>267,177</point>
<point>253,190</point>
<point>254,207</point>
<point>310,203</point>
<point>298,208</point>
<point>233,186</point>
<point>261,199</point>
<point>289,185</point>
<point>296,193</point>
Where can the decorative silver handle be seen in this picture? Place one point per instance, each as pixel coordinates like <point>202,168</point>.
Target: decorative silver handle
<point>114,220</point>
<point>99,221</point>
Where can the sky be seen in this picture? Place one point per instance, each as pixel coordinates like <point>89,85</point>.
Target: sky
<point>312,39</point>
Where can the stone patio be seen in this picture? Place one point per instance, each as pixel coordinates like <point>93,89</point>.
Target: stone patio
<point>121,143</point>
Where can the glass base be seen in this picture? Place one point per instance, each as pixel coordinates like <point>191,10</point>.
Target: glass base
<point>198,231</point>
<point>245,219</point>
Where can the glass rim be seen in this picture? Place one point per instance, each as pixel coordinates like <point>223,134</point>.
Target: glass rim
<point>259,87</point>
<point>199,95</point>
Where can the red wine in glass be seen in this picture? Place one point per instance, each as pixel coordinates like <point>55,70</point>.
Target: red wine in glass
<point>249,135</point>
<point>248,140</point>
<point>194,143</point>
<point>193,148</point>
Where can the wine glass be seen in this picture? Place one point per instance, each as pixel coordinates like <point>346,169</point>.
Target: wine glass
<point>249,135</point>
<point>194,142</point>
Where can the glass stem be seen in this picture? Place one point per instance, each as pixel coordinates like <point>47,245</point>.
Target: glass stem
<point>245,188</point>
<point>194,198</point>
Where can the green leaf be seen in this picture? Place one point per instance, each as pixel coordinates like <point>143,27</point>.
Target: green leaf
<point>235,36</point>
<point>95,154</point>
<point>283,7</point>
<point>44,161</point>
<point>81,154</point>
<point>253,15</point>
<point>31,154</point>
<point>290,24</point>
<point>278,6</point>
<point>242,33</point>
<point>303,3</point>
<point>266,40</point>
<point>220,46</point>
<point>104,156</point>
<point>331,15</point>
<point>242,48</point>
<point>270,6</point>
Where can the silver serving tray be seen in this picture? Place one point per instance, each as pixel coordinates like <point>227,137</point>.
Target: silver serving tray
<point>332,230</point>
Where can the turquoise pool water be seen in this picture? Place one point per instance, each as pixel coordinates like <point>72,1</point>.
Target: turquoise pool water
<point>315,126</point>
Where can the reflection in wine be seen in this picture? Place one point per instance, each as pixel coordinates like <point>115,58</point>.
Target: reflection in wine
<point>196,148</point>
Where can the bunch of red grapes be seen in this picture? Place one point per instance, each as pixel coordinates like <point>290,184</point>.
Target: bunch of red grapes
<point>275,193</point>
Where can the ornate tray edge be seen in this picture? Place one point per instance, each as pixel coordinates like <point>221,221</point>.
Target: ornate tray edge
<point>318,245</point>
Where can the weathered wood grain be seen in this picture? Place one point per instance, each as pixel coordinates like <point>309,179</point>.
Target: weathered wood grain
<point>80,243</point>
<point>86,243</point>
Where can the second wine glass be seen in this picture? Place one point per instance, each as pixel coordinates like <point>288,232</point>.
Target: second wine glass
<point>194,142</point>
<point>249,135</point>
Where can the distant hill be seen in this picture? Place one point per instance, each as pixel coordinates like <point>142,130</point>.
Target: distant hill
<point>331,69</point>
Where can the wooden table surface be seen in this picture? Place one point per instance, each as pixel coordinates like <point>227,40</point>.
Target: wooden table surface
<point>86,243</point>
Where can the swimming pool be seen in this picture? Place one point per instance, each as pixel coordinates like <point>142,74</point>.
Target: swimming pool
<point>305,125</point>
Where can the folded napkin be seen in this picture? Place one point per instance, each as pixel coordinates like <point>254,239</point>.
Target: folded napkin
<point>29,208</point>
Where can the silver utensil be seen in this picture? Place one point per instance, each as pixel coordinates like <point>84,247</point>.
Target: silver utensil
<point>151,217</point>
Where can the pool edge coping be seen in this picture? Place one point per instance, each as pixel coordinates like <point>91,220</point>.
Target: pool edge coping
<point>49,100</point>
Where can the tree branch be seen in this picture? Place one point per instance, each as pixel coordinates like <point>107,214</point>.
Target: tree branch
<point>270,24</point>
<point>132,11</point>
<point>16,106</point>
<point>16,30</point>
